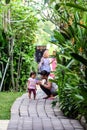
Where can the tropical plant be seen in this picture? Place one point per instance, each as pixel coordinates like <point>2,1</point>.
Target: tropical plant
<point>71,38</point>
<point>18,35</point>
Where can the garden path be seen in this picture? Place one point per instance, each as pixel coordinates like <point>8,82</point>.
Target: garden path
<point>39,114</point>
<point>4,124</point>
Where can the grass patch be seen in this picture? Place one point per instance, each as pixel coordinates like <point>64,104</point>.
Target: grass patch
<point>6,101</point>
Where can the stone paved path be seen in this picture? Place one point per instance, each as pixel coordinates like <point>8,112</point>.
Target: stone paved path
<point>39,115</point>
<point>3,124</point>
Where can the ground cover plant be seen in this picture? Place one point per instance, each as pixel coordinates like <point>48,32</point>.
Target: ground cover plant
<point>6,101</point>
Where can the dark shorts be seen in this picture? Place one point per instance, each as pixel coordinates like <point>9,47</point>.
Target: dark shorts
<point>32,90</point>
<point>48,92</point>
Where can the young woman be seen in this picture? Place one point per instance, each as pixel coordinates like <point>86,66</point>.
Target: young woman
<point>48,87</point>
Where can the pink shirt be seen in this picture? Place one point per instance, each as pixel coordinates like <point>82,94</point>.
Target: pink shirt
<point>53,66</point>
<point>32,83</point>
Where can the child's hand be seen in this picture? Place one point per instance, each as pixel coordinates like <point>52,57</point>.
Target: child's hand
<point>39,82</point>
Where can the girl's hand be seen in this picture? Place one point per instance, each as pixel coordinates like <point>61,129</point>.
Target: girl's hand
<point>39,82</point>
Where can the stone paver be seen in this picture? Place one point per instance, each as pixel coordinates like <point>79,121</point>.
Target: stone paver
<point>3,124</point>
<point>39,114</point>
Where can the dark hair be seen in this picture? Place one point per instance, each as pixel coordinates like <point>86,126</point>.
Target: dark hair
<point>32,73</point>
<point>44,73</point>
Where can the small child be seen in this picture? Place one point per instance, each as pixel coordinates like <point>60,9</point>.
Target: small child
<point>32,85</point>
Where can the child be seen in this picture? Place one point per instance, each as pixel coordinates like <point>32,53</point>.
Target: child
<point>32,84</point>
<point>45,62</point>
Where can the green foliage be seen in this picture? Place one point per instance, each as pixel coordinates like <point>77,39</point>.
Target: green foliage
<point>71,74</point>
<point>79,58</point>
<point>21,31</point>
<point>67,83</point>
<point>59,37</point>
<point>7,99</point>
<point>76,6</point>
<point>7,1</point>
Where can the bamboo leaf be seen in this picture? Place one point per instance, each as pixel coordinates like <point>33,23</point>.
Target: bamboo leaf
<point>84,26</point>
<point>64,67</point>
<point>70,63</point>
<point>66,57</point>
<point>59,37</point>
<point>79,97</point>
<point>76,6</point>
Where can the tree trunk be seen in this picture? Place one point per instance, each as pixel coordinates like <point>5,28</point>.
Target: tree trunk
<point>11,45</point>
<point>12,66</point>
<point>19,69</point>
<point>5,21</point>
<point>4,74</point>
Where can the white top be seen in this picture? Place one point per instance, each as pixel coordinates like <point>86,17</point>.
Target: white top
<point>54,85</point>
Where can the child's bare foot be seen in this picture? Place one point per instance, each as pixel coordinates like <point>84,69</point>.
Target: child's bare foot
<point>46,97</point>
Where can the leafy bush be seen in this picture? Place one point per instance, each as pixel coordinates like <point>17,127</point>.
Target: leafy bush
<point>17,38</point>
<point>72,58</point>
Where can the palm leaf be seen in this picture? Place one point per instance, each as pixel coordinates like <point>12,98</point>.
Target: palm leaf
<point>64,56</point>
<point>79,58</point>
<point>64,67</point>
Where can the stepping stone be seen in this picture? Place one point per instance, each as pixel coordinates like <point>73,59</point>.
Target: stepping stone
<point>57,125</point>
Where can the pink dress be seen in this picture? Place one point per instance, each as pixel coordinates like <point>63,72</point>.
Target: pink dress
<point>53,66</point>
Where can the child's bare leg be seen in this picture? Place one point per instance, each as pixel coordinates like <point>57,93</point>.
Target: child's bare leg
<point>29,95</point>
<point>34,96</point>
<point>34,93</point>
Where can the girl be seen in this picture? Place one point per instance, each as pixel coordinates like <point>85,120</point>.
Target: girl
<point>32,85</point>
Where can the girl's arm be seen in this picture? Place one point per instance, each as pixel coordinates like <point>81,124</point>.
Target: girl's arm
<point>52,61</point>
<point>41,62</point>
<point>28,83</point>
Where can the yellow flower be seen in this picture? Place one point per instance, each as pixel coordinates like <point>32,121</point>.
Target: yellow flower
<point>81,49</point>
<point>81,22</point>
